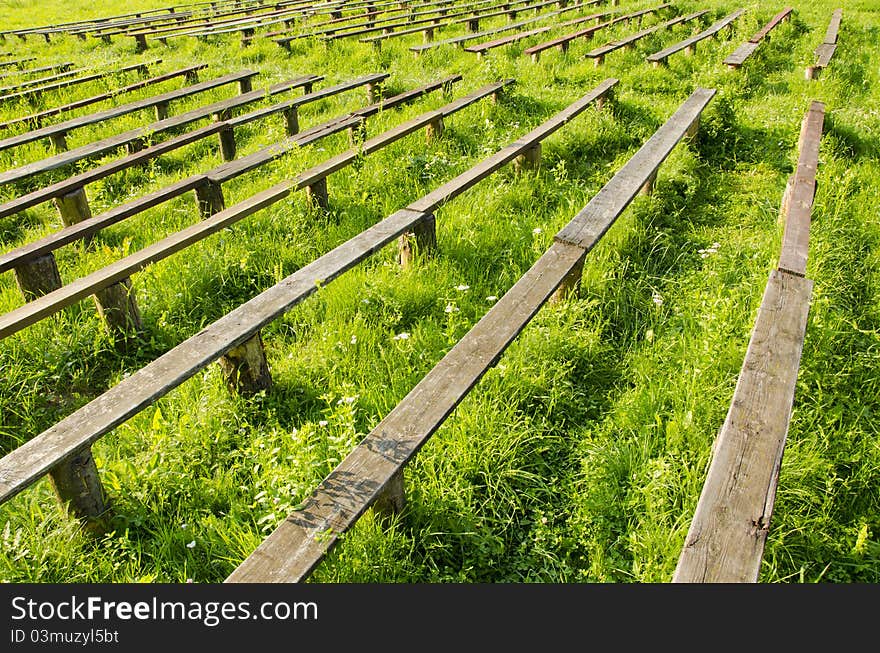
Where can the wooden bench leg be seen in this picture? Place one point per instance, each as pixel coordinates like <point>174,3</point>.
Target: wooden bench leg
<point>420,242</point>
<point>434,130</point>
<point>209,199</point>
<point>73,208</point>
<point>570,284</point>
<point>811,72</point>
<point>245,85</point>
<point>191,77</point>
<point>691,49</point>
<point>530,159</point>
<point>38,277</point>
<point>118,308</point>
<point>78,488</point>
<point>317,194</point>
<point>428,35</point>
<point>392,500</point>
<point>648,188</point>
<point>246,368</point>
<point>659,63</point>
<point>598,61</point>
<point>140,42</point>
<point>603,100</point>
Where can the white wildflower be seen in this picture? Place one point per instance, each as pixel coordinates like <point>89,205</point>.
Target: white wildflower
<point>323,422</point>
<point>492,298</point>
<point>462,287</point>
<point>191,545</point>
<point>401,336</point>
<point>537,230</point>
<point>354,340</point>
<point>451,308</point>
<point>657,299</point>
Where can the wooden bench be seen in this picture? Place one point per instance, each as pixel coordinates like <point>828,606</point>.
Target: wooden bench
<point>57,132</point>
<point>16,62</point>
<point>726,538</point>
<point>208,186</point>
<point>737,58</point>
<point>134,138</point>
<point>826,49</point>
<point>66,445</point>
<point>598,54</point>
<point>690,44</point>
<point>482,48</point>
<point>36,119</point>
<point>562,42</point>
<point>372,474</point>
<point>30,91</point>
<point>27,254</point>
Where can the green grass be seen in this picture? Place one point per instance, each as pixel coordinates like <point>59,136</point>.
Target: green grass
<point>581,455</point>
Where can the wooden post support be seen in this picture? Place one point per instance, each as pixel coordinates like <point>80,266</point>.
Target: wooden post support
<point>38,277</point>
<point>692,131</point>
<point>570,284</point>
<point>530,159</point>
<point>811,72</point>
<point>786,199</point>
<point>73,208</point>
<point>428,34</point>
<point>648,188</point>
<point>191,77</point>
<point>420,242</point>
<point>291,121</point>
<point>392,499</point>
<point>140,42</point>
<point>118,308</point>
<point>691,49</point>
<point>162,110</point>
<point>603,100</point>
<point>373,92</point>
<point>209,198</point>
<point>473,25</point>
<point>598,61</point>
<point>434,130</point>
<point>59,141</point>
<point>227,143</point>
<point>536,57</point>
<point>659,63</point>
<point>357,133</point>
<point>245,85</point>
<point>317,194</point>
<point>78,488</point>
<point>246,368</point>
<point>135,145</point>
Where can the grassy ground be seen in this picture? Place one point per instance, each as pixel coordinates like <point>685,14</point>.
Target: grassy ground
<point>580,457</point>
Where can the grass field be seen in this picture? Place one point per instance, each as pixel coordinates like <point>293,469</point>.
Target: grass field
<point>579,457</point>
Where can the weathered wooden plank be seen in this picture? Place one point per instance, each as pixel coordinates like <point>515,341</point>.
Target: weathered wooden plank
<point>300,542</point>
<point>121,110</point>
<point>713,29</point>
<point>824,52</point>
<point>63,67</point>
<point>725,542</point>
<point>36,118</point>
<point>599,214</point>
<point>774,22</point>
<point>313,96</point>
<point>88,227</point>
<point>111,143</point>
<point>796,234</point>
